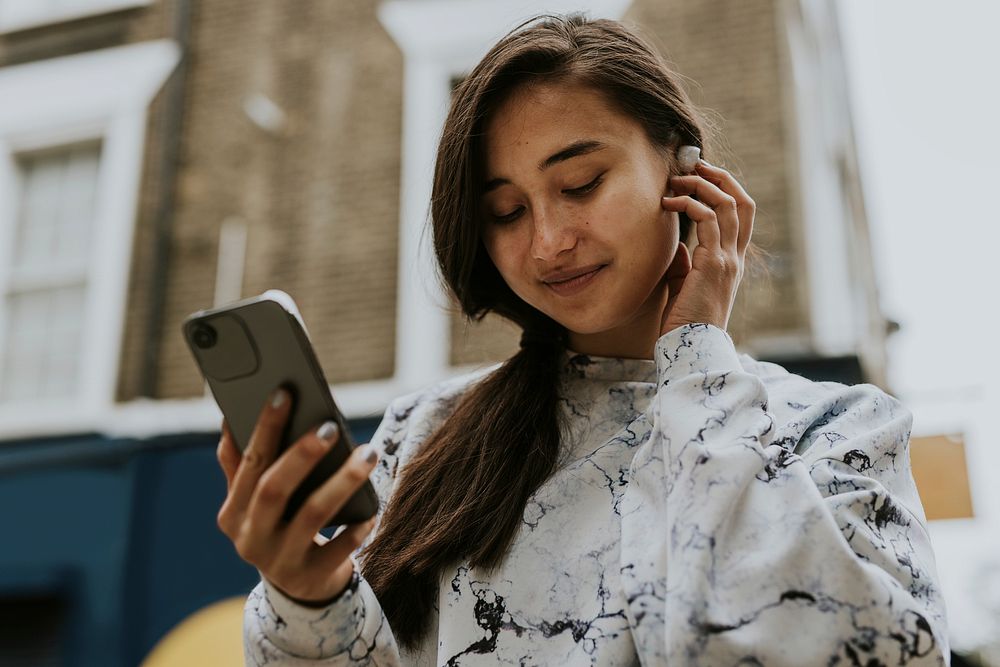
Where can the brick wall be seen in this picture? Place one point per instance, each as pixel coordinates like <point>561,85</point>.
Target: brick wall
<point>86,34</point>
<point>320,199</point>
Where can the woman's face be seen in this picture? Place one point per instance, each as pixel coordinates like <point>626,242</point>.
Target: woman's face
<point>574,187</point>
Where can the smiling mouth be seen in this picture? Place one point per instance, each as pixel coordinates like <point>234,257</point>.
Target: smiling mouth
<point>576,284</point>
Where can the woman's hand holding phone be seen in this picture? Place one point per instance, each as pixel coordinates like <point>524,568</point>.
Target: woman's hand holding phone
<point>703,284</point>
<point>291,555</point>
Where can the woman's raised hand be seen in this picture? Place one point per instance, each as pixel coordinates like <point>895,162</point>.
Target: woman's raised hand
<point>291,555</point>
<point>703,284</point>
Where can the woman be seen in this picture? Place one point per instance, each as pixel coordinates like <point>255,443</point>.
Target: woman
<point>626,488</point>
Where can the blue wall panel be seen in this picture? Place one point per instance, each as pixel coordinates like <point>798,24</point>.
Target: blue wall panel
<point>123,532</point>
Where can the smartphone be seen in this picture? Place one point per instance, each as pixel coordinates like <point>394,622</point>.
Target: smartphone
<point>245,351</point>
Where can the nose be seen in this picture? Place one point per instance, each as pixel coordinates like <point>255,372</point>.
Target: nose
<point>552,234</point>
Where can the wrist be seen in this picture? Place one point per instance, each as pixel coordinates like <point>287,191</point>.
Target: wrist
<point>350,585</point>
<point>674,318</point>
<point>674,326</point>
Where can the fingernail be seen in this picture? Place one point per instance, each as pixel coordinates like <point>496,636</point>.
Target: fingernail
<point>369,454</point>
<point>328,432</point>
<point>278,398</point>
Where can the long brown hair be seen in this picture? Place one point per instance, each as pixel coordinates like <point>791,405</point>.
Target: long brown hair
<point>463,495</point>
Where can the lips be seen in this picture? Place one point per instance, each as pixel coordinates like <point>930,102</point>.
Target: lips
<point>574,281</point>
<point>569,274</point>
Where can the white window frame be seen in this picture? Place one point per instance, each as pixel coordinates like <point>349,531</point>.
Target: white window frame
<point>23,14</point>
<point>104,96</point>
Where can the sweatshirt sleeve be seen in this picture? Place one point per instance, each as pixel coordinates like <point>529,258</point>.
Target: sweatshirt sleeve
<point>352,630</point>
<point>798,541</point>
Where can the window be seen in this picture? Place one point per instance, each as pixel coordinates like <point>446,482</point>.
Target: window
<point>72,133</point>
<point>22,14</point>
<point>47,283</point>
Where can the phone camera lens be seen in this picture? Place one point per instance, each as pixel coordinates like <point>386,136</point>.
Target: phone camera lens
<point>204,336</point>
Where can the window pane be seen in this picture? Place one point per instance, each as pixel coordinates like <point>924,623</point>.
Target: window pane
<point>64,338</point>
<point>36,220</point>
<point>57,208</point>
<point>76,218</point>
<point>42,348</point>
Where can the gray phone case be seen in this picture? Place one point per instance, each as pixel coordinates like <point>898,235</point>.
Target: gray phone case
<point>248,349</point>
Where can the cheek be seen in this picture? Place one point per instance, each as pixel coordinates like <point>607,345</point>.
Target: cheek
<point>646,236</point>
<point>637,218</point>
<point>506,250</point>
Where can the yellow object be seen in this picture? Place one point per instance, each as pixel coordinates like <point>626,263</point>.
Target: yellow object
<point>212,636</point>
<point>942,476</point>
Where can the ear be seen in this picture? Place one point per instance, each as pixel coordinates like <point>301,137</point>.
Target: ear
<point>679,267</point>
<point>669,170</point>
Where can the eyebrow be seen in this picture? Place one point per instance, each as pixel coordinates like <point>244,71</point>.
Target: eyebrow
<point>575,149</point>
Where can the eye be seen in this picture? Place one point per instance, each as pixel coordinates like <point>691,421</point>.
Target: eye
<point>585,189</point>
<point>509,217</point>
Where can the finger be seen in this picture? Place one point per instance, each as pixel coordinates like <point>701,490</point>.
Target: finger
<point>261,451</point>
<point>745,205</point>
<point>339,549</point>
<point>228,455</point>
<point>278,483</point>
<point>329,498</point>
<point>706,224</point>
<point>724,205</point>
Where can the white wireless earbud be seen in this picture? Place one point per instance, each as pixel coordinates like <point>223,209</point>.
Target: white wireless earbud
<point>687,158</point>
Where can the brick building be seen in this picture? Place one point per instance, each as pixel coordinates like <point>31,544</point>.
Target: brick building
<point>162,156</point>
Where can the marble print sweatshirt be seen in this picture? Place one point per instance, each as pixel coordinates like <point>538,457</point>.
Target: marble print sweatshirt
<point>710,509</point>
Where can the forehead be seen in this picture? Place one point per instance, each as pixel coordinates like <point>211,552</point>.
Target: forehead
<point>539,119</point>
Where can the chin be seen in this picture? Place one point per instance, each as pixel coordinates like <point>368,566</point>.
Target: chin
<point>589,325</point>
<point>601,312</point>
<point>602,319</point>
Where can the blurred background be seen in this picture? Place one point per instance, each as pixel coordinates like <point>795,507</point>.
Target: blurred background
<point>162,156</point>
